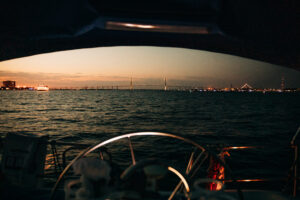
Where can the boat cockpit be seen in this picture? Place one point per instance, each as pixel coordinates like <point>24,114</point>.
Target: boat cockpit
<point>41,169</point>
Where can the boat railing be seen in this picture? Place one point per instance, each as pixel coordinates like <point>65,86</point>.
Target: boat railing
<point>296,162</point>
<point>56,160</point>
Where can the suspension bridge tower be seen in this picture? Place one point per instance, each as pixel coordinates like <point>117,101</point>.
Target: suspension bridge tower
<point>131,85</point>
<point>282,85</point>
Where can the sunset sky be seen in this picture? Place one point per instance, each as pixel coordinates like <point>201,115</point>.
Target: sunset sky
<point>146,65</point>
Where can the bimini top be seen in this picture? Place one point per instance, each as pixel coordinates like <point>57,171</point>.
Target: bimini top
<point>263,30</point>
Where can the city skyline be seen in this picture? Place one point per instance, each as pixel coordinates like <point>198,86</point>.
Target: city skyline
<point>147,66</point>
<point>12,84</point>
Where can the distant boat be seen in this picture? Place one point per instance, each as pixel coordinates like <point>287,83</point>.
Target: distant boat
<point>42,88</point>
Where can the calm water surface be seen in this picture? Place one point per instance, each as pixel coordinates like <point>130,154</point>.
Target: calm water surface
<point>207,118</point>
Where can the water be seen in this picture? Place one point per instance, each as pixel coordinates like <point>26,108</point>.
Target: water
<point>207,118</point>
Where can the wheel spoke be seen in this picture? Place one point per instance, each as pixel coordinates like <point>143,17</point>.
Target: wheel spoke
<point>101,155</point>
<point>131,151</point>
<point>195,171</point>
<point>190,163</point>
<point>175,190</point>
<point>189,168</point>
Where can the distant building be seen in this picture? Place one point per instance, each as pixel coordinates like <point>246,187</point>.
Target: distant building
<point>9,84</point>
<point>246,87</point>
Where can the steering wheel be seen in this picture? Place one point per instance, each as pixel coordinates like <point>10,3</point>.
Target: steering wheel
<point>191,164</point>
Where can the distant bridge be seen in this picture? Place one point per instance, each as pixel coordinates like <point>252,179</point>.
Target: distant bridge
<point>143,86</point>
<point>133,86</point>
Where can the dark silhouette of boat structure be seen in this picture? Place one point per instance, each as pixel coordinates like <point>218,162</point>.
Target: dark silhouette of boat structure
<point>261,30</point>
<point>93,173</point>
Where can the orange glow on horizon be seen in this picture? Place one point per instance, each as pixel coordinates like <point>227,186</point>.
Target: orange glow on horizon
<point>112,65</point>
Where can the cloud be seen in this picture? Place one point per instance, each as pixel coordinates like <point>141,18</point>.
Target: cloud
<point>77,80</point>
<point>61,80</point>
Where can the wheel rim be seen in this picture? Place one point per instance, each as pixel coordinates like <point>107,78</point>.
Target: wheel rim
<point>114,139</point>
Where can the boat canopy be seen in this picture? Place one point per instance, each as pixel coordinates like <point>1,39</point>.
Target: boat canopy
<point>262,30</point>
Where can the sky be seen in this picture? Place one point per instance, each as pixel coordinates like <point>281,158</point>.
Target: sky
<point>114,66</point>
